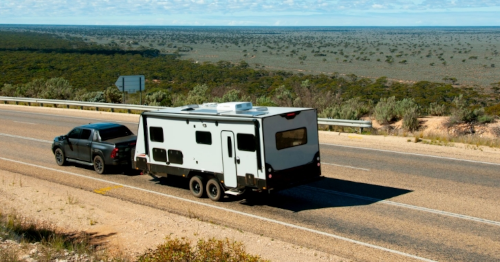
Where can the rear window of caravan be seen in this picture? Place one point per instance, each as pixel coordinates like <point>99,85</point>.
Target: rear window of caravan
<point>291,138</point>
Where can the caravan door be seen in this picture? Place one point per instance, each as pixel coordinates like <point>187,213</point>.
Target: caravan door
<point>228,158</point>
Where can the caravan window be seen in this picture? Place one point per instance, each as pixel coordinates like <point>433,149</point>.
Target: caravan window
<point>246,142</point>
<point>175,157</point>
<point>159,155</point>
<point>156,134</point>
<point>203,137</point>
<point>291,138</point>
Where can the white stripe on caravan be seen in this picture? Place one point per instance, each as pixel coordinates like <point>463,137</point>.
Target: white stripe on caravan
<point>415,154</point>
<point>232,211</point>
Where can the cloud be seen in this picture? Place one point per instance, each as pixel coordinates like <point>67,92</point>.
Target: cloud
<point>218,11</point>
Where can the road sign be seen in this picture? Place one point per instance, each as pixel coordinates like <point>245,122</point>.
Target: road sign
<point>130,84</point>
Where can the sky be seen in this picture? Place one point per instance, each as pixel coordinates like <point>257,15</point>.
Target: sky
<point>253,12</point>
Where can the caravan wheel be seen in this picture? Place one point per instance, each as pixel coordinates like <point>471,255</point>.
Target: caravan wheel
<point>214,190</point>
<point>196,186</point>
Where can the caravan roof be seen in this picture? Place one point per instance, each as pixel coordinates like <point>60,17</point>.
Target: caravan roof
<point>232,109</point>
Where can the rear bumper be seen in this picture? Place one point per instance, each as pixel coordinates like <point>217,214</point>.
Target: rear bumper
<point>282,179</point>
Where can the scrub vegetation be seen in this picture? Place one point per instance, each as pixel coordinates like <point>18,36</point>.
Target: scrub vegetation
<point>390,74</point>
<point>23,239</point>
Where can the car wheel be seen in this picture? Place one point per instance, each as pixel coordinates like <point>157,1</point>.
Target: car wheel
<point>214,190</point>
<point>99,165</point>
<point>60,157</point>
<point>196,186</point>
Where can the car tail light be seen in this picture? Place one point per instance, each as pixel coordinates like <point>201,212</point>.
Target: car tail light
<point>114,153</point>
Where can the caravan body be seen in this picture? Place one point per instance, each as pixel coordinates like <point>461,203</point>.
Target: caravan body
<point>234,144</point>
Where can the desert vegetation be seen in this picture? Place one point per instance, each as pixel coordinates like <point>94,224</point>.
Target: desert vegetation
<point>25,239</point>
<point>82,63</point>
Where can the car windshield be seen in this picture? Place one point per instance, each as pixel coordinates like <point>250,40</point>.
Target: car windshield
<point>114,132</point>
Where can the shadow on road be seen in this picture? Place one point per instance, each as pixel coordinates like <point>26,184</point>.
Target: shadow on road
<point>325,193</point>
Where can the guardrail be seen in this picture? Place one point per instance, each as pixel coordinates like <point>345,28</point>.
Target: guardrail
<point>41,102</point>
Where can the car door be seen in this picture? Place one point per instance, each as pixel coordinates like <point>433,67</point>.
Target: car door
<point>84,145</point>
<point>71,145</point>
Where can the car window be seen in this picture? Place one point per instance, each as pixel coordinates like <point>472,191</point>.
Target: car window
<point>75,133</point>
<point>86,134</point>
<point>114,132</point>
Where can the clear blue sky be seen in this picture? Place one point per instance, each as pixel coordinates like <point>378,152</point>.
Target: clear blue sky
<point>253,12</point>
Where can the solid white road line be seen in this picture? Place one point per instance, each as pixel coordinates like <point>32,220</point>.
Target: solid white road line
<point>414,154</point>
<point>423,209</point>
<point>231,211</point>
<point>26,138</point>
<point>330,164</point>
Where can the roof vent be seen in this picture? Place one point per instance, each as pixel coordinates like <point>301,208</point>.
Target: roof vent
<point>209,105</point>
<point>234,106</point>
<point>189,107</point>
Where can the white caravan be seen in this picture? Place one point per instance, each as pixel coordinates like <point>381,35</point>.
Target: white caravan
<point>226,148</point>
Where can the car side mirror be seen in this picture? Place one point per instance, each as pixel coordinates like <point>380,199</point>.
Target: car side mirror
<point>63,137</point>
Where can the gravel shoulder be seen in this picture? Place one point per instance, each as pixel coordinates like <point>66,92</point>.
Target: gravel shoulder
<point>127,228</point>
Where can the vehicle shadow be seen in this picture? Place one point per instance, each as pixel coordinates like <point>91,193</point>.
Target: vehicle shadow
<point>324,193</point>
<point>173,181</point>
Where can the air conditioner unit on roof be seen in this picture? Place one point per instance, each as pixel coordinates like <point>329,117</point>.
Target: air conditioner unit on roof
<point>234,106</point>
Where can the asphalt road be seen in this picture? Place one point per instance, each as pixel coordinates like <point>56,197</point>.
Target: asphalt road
<point>371,205</point>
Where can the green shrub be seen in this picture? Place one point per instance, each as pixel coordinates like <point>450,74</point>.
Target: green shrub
<point>264,101</point>
<point>158,98</point>
<point>410,119</point>
<point>403,106</point>
<point>436,110</point>
<point>352,109</point>
<point>493,110</point>
<point>205,250</point>
<point>385,110</point>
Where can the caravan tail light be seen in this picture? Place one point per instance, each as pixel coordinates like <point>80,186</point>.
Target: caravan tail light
<point>114,153</point>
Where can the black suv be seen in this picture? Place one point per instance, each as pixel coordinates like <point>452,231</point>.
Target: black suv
<point>99,145</point>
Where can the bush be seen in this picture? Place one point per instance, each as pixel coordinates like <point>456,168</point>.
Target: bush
<point>158,98</point>
<point>385,110</point>
<point>205,250</point>
<point>436,110</point>
<point>410,119</point>
<point>351,109</point>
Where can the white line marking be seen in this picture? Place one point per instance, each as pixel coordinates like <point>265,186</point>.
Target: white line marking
<point>86,118</point>
<point>25,122</point>
<point>27,138</point>
<point>231,211</point>
<point>330,164</point>
<point>424,209</point>
<point>415,154</point>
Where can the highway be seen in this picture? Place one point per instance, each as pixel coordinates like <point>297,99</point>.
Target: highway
<point>372,205</point>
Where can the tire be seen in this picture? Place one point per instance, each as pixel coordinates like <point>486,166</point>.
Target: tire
<point>60,157</point>
<point>99,166</point>
<point>196,186</point>
<point>214,190</point>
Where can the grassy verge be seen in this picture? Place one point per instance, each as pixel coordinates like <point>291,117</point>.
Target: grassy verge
<point>22,239</point>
